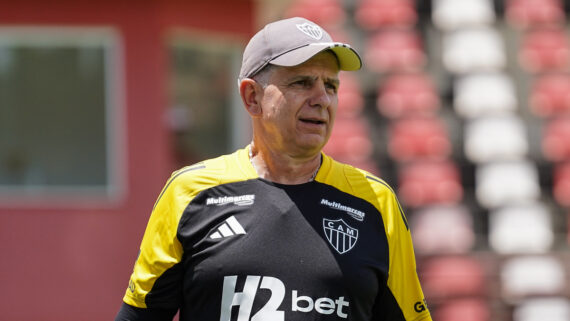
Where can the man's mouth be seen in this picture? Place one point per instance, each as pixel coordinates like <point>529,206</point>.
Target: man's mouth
<point>313,121</point>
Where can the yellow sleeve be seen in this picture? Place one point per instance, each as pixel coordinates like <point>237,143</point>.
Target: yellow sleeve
<point>403,280</point>
<point>160,250</point>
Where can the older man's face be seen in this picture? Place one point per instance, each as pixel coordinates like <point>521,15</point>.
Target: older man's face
<point>299,105</point>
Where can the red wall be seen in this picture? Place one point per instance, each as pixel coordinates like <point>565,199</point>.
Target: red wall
<point>62,262</point>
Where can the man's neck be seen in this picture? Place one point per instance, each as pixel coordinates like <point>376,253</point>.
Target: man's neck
<point>282,168</point>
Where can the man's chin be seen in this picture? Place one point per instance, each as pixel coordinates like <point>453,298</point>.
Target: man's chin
<point>312,148</point>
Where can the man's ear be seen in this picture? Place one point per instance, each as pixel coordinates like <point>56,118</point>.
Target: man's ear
<point>251,93</point>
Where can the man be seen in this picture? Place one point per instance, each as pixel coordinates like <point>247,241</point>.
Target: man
<point>278,230</point>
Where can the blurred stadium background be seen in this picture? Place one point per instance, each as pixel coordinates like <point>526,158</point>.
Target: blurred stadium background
<point>463,107</point>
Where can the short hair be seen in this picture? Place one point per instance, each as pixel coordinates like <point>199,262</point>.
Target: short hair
<point>262,77</point>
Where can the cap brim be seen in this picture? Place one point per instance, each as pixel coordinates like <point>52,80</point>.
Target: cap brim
<point>348,58</point>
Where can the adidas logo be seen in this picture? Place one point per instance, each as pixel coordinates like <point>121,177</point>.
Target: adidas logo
<point>229,228</point>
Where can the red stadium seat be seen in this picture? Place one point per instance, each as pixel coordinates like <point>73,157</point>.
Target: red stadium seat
<point>561,185</point>
<point>323,12</point>
<point>395,50</point>
<point>525,14</point>
<point>350,100</point>
<point>544,50</point>
<point>453,277</point>
<point>430,183</point>
<point>467,309</point>
<point>418,138</point>
<point>350,141</point>
<point>550,95</point>
<point>556,140</point>
<point>374,14</point>
<point>407,94</point>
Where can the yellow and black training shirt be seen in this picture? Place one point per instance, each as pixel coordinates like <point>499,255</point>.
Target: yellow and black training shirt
<point>223,244</point>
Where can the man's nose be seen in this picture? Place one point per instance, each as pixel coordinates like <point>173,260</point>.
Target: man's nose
<point>320,96</point>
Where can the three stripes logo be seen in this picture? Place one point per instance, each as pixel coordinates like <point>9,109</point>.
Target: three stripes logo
<point>230,227</point>
<point>340,235</point>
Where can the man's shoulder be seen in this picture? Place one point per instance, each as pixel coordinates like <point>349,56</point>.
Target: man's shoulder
<point>357,179</point>
<point>213,171</point>
<point>368,187</point>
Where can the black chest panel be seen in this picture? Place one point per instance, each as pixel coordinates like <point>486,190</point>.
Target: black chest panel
<point>255,250</point>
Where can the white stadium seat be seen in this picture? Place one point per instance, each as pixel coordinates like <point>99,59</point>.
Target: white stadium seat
<point>495,138</point>
<point>454,14</point>
<point>473,50</point>
<point>520,229</point>
<point>543,309</point>
<point>482,94</point>
<point>502,183</point>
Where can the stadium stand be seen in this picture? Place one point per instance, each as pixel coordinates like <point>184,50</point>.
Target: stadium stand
<point>329,13</point>
<point>443,229</point>
<point>418,138</point>
<point>453,277</point>
<point>463,107</point>
<point>453,14</point>
<point>473,50</point>
<point>484,94</point>
<point>350,140</point>
<point>521,228</point>
<point>375,14</point>
<point>552,309</point>
<point>468,309</point>
<point>500,183</point>
<point>495,138</point>
<point>395,50</point>
<point>407,94</point>
<point>350,99</point>
<point>561,185</point>
<point>556,139</point>
<point>544,50</point>
<point>430,182</point>
<point>530,276</point>
<point>550,95</point>
<point>524,14</point>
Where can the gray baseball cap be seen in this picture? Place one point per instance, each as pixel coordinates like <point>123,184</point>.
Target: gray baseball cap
<point>291,42</point>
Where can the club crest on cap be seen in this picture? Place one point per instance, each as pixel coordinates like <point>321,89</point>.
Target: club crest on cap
<point>311,30</point>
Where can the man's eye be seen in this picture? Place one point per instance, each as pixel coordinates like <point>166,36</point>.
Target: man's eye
<point>332,87</point>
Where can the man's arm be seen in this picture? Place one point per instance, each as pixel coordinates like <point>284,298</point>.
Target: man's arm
<point>155,287</point>
<point>403,298</point>
<point>131,313</point>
